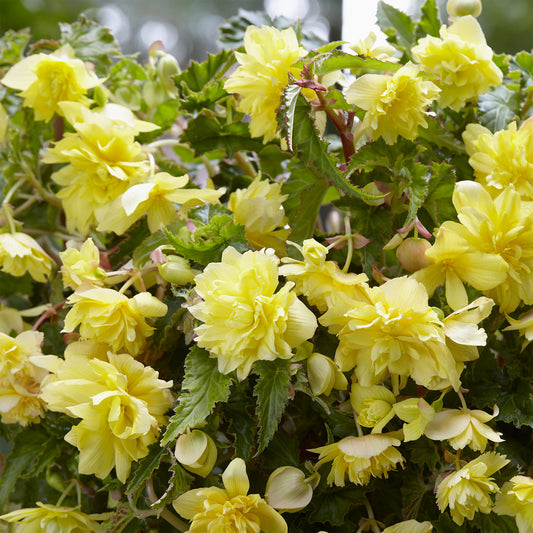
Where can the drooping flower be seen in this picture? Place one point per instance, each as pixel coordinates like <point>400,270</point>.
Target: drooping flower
<point>461,60</point>
<point>20,379</point>
<point>109,316</point>
<point>46,518</point>
<point>516,499</point>
<point>463,427</point>
<point>360,458</point>
<point>373,405</point>
<point>409,526</point>
<point>502,159</point>
<point>155,198</point>
<point>81,265</point>
<point>367,47</point>
<point>20,253</point>
<point>48,79</point>
<point>121,404</point>
<point>324,375</point>
<point>396,332</point>
<point>103,162</point>
<point>231,509</point>
<point>416,413</point>
<point>244,319</point>
<point>322,282</point>
<point>196,452</point>
<point>263,73</point>
<point>396,105</point>
<point>259,208</point>
<point>468,489</point>
<point>289,490</point>
<point>524,324</point>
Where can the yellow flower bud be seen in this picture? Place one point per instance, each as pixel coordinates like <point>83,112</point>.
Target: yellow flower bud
<point>196,452</point>
<point>288,489</point>
<point>373,405</point>
<point>461,8</point>
<point>177,270</point>
<point>412,254</point>
<point>324,375</point>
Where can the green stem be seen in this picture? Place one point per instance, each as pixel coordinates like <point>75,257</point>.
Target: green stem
<point>171,518</point>
<point>66,492</point>
<point>349,240</point>
<point>244,163</point>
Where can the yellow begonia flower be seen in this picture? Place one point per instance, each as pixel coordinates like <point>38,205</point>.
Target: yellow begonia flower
<point>409,526</point>
<point>196,452</point>
<point>263,73</point>
<point>461,60</point>
<point>244,319</point>
<point>524,324</point>
<point>468,489</point>
<point>324,375</point>
<point>395,333</point>
<point>516,499</point>
<point>373,405</point>
<point>104,161</point>
<point>120,401</point>
<point>322,282</point>
<point>10,320</point>
<point>47,518</point>
<point>503,158</point>
<point>81,265</point>
<point>20,379</point>
<point>367,47</point>
<point>3,124</point>
<point>108,316</point>
<point>231,509</point>
<point>156,198</point>
<point>259,208</point>
<point>417,413</point>
<point>48,79</point>
<point>463,427</point>
<point>19,253</point>
<point>360,458</point>
<point>395,104</point>
<point>288,490</point>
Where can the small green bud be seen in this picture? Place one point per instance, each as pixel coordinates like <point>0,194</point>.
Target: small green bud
<point>166,67</point>
<point>129,96</point>
<point>461,8</point>
<point>153,93</point>
<point>196,452</point>
<point>177,270</point>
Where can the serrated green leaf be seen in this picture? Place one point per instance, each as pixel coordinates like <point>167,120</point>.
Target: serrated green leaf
<point>396,25</point>
<point>205,134</point>
<point>436,135</point>
<point>208,242</point>
<point>122,516</point>
<point>438,202</point>
<point>339,60</point>
<point>272,393</point>
<point>498,108</point>
<point>333,505</point>
<point>12,45</point>
<point>91,41</point>
<point>202,388</point>
<point>416,188</point>
<point>494,523</point>
<point>242,424</point>
<point>429,21</point>
<point>179,482</point>
<point>413,490</point>
<point>142,253</point>
<point>424,452</point>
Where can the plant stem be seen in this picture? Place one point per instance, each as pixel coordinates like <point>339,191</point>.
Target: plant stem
<point>349,241</point>
<point>243,161</point>
<point>171,518</point>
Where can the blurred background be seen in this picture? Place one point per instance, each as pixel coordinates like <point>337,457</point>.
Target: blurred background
<point>189,28</point>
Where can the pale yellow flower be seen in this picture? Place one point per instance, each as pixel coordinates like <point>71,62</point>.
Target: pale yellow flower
<point>156,199</point>
<point>516,499</point>
<point>19,253</point>
<point>263,73</point>
<point>120,401</point>
<point>288,490</point>
<point>395,104</point>
<point>81,265</point>
<point>416,413</point>
<point>324,375</point>
<point>46,518</point>
<point>10,320</point>
<point>398,333</point>
<point>109,316</point>
<point>463,427</point>
<point>360,458</point>
<point>322,282</point>
<point>244,319</point>
<point>259,208</point>
<point>373,405</point>
<point>231,509</point>
<point>409,526</point>
<point>524,324</point>
<point>103,162</point>
<point>20,379</point>
<point>461,60</point>
<point>196,452</point>
<point>367,47</point>
<point>502,159</point>
<point>468,490</point>
<point>47,79</point>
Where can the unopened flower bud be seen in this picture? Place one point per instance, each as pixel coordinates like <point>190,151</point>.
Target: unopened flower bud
<point>153,93</point>
<point>167,67</point>
<point>412,254</point>
<point>129,96</point>
<point>373,190</point>
<point>324,375</point>
<point>288,490</point>
<point>196,452</point>
<point>461,8</point>
<point>373,405</point>
<point>177,270</point>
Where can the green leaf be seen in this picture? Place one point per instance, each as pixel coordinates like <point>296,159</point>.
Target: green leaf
<point>208,242</point>
<point>339,60</point>
<point>306,192</point>
<point>206,134</point>
<point>413,490</point>
<point>122,516</point>
<point>232,31</point>
<point>241,424</point>
<point>272,393</point>
<point>438,201</point>
<point>493,523</point>
<point>179,483</point>
<point>425,452</point>
<point>12,45</point>
<point>436,135</point>
<point>396,25</point>
<point>415,177</point>
<point>202,387</point>
<point>333,505</point>
<point>32,452</point>
<point>142,253</point>
<point>523,62</point>
<point>91,41</point>
<point>498,108</point>
<point>429,21</point>
<point>145,469</point>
